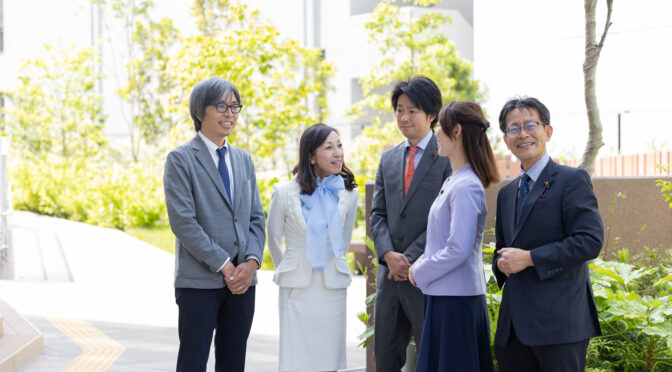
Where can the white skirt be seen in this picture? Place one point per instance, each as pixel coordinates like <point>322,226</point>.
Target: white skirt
<point>312,327</point>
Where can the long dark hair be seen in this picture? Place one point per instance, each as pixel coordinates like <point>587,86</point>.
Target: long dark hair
<point>311,139</point>
<point>474,139</point>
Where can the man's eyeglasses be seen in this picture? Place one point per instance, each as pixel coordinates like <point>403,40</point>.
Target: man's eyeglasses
<point>530,127</point>
<point>223,107</point>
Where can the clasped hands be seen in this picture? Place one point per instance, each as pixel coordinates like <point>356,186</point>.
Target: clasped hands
<point>239,278</point>
<point>513,260</point>
<point>398,265</point>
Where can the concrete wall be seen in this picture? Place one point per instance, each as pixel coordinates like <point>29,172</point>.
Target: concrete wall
<point>640,219</point>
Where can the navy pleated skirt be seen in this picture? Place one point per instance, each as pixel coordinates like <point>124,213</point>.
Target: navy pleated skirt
<point>455,335</point>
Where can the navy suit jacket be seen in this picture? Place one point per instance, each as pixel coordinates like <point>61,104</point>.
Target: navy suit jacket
<point>551,302</point>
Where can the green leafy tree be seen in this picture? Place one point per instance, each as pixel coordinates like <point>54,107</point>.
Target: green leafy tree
<point>410,42</point>
<point>143,83</point>
<point>60,165</point>
<point>281,83</point>
<point>55,108</point>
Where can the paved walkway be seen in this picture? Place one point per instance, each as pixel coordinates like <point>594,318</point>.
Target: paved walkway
<point>104,300</point>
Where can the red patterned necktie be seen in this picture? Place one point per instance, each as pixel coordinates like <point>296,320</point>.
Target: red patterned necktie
<point>410,168</point>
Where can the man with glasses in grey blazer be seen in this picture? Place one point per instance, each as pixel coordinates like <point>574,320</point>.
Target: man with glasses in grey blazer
<point>216,215</point>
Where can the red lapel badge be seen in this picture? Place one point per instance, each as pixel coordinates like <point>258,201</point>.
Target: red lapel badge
<point>545,189</point>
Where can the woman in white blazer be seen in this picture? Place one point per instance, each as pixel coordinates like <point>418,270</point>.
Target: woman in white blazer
<point>314,213</point>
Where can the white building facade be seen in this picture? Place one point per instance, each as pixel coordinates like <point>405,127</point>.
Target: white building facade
<point>336,27</point>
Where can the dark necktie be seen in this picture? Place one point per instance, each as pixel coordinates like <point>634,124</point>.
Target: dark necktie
<point>224,171</point>
<point>522,194</point>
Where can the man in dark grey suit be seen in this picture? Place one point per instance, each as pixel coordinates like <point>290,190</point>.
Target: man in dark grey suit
<point>408,178</point>
<point>547,229</point>
<point>216,215</point>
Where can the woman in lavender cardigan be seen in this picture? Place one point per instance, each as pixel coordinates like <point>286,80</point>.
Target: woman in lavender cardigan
<point>456,330</point>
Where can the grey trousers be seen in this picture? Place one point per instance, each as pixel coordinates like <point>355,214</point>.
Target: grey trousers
<point>397,315</point>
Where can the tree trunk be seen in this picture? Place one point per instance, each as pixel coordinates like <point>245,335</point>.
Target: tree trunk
<point>592,54</point>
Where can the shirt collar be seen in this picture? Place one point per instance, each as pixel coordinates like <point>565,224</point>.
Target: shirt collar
<point>423,142</point>
<point>535,170</point>
<point>212,147</point>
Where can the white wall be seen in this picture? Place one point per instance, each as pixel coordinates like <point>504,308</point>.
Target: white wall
<point>30,23</point>
<point>536,48</point>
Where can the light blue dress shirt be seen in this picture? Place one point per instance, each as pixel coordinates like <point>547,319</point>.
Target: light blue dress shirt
<point>422,145</point>
<point>535,170</point>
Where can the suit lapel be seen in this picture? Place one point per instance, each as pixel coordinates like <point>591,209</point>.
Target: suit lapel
<point>203,157</point>
<point>546,176</point>
<point>238,173</point>
<point>429,156</point>
<point>397,178</point>
<point>343,204</point>
<point>295,212</point>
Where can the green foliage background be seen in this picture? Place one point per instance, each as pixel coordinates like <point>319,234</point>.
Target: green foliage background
<point>63,165</point>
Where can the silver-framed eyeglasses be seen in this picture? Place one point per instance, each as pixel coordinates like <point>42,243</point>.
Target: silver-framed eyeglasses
<point>530,126</point>
<point>223,107</point>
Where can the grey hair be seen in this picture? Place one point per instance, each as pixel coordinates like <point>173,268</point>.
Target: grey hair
<point>209,92</point>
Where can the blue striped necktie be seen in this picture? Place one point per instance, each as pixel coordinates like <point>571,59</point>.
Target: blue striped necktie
<point>522,194</point>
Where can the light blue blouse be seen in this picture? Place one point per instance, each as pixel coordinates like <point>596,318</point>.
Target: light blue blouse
<point>323,221</point>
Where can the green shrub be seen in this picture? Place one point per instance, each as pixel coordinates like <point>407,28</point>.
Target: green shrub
<point>97,192</point>
<point>635,311</point>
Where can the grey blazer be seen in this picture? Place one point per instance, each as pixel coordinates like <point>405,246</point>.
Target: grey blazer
<point>208,229</point>
<point>399,223</point>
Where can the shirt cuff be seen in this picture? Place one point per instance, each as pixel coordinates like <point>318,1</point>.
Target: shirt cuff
<point>224,264</point>
<point>254,258</point>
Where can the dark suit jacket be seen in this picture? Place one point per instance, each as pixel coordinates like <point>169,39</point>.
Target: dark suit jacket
<point>399,223</point>
<point>551,302</point>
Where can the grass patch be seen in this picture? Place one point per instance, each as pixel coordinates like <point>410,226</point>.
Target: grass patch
<point>162,237</point>
<point>158,236</point>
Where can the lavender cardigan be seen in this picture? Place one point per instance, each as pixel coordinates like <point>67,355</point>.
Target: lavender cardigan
<point>453,264</point>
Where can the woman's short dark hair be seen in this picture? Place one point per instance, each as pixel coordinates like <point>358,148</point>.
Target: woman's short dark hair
<point>422,92</point>
<point>311,139</point>
<point>474,138</point>
<point>525,102</point>
<point>206,93</point>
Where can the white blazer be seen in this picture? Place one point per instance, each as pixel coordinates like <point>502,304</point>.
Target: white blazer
<point>285,220</point>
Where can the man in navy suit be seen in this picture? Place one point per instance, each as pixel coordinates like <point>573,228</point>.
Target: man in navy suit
<point>548,227</point>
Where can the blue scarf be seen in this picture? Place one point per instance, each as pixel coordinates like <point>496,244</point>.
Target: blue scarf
<point>320,211</point>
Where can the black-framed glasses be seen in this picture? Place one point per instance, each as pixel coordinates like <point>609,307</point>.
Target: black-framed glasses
<point>530,127</point>
<point>223,107</point>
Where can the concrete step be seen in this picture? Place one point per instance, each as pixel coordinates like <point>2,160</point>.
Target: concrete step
<point>20,341</point>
